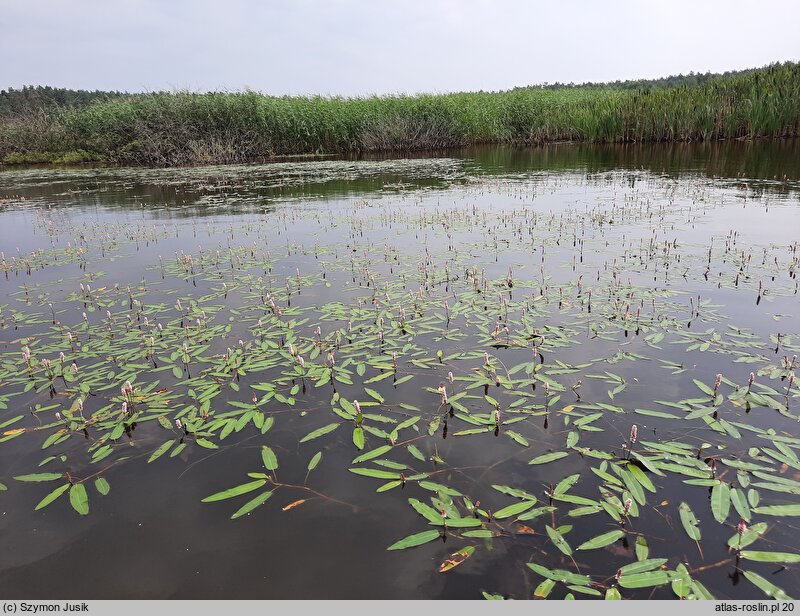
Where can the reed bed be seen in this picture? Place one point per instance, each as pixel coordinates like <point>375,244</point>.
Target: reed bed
<point>190,128</point>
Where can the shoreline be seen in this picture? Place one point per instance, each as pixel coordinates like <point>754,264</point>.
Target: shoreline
<point>378,155</point>
<point>182,128</point>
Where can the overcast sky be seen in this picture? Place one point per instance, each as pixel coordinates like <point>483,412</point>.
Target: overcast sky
<point>354,47</point>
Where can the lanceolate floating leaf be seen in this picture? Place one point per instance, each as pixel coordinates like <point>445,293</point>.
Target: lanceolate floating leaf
<point>770,557</point>
<point>203,442</point>
<point>358,437</point>
<point>572,439</point>
<point>414,451</point>
<point>312,463</point>
<point>558,540</point>
<point>602,541</point>
<point>642,566</point>
<point>549,457</point>
<point>40,477</point>
<point>642,549</point>
<point>644,580</point>
<point>390,485</point>
<point>374,394</point>
<point>720,501</point>
<point>768,587</point>
<point>414,540</point>
<point>778,510</point>
<point>52,496</point>
<point>162,449</point>
<point>426,511</point>
<point>252,504</point>
<point>689,521</point>
<point>704,388</point>
<point>235,491</point>
<point>372,453</point>
<point>701,592</point>
<point>319,432</point>
<point>560,575</point>
<point>517,437</point>
<point>483,533</point>
<point>740,504</point>
<point>516,492</point>
<point>565,484</point>
<point>514,509</point>
<point>376,473</point>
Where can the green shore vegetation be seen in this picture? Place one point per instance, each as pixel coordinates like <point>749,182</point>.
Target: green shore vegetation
<point>184,128</point>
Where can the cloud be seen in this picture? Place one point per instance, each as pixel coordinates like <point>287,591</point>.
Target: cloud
<point>359,47</point>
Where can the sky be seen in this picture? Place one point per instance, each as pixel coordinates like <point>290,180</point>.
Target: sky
<point>363,47</point>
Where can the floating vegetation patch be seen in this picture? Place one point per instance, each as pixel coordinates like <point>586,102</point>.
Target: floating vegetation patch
<point>586,380</point>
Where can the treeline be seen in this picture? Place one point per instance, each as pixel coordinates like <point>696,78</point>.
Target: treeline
<point>32,98</point>
<point>191,128</point>
<point>673,81</point>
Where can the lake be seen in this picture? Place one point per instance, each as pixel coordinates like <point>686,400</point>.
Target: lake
<point>445,356</point>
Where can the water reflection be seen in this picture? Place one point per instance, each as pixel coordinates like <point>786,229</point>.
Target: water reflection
<point>627,221</point>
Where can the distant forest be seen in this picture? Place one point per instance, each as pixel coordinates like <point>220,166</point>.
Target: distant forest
<point>31,98</point>
<point>690,80</point>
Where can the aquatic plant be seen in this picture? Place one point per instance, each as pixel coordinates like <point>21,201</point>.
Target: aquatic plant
<point>352,356</point>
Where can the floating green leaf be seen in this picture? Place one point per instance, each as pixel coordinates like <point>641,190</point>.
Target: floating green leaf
<point>40,477</point>
<point>376,473</point>
<point>642,566</point>
<point>411,541</point>
<point>269,458</point>
<point>549,457</point>
<point>681,581</point>
<point>373,453</point>
<point>252,504</point>
<point>358,437</point>
<point>514,509</point>
<point>319,432</point>
<point>79,499</point>
<point>52,496</point>
<point>778,510</point>
<point>560,575</point>
<point>558,540</point>
<point>770,557</point>
<point>768,587</point>
<point>644,580</point>
<point>235,491</point>
<point>689,521</point>
<point>426,511</point>
<point>642,549</point>
<point>602,541</point>
<point>314,461</point>
<point>102,486</point>
<point>720,501</point>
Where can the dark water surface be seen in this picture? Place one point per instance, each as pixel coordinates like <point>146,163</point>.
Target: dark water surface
<point>598,282</point>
